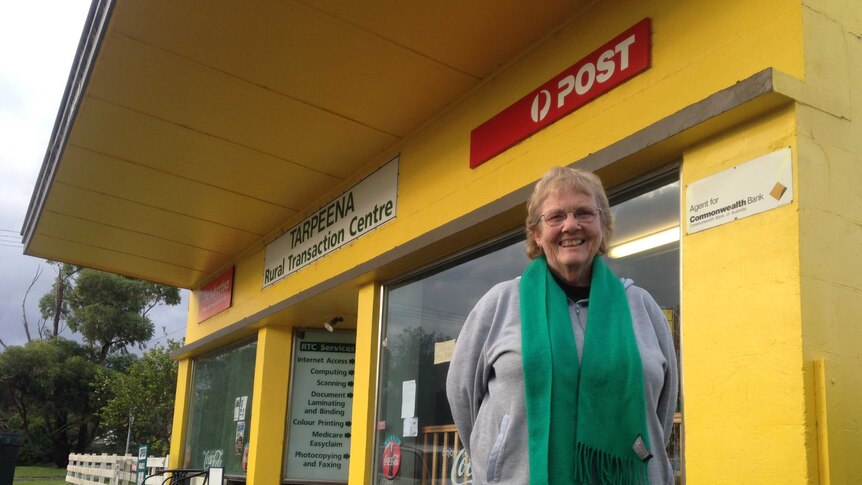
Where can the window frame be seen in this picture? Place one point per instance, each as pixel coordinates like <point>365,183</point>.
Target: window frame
<point>191,395</point>
<point>654,179</point>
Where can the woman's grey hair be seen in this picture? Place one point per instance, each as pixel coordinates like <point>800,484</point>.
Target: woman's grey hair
<point>573,180</point>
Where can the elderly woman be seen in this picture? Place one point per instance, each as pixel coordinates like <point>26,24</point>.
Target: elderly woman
<point>543,394</point>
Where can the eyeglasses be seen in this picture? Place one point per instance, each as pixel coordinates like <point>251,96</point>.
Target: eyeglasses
<point>584,215</point>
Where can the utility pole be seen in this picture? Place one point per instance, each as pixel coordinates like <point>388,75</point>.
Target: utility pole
<point>129,434</point>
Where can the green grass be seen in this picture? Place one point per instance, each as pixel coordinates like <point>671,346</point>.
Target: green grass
<point>39,481</point>
<point>51,474</point>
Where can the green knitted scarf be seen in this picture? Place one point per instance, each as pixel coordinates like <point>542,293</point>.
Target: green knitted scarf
<point>582,421</point>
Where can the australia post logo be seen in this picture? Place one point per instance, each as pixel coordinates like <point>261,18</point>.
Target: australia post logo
<point>617,61</point>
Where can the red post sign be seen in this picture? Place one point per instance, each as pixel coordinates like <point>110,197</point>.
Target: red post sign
<point>216,295</point>
<point>617,61</point>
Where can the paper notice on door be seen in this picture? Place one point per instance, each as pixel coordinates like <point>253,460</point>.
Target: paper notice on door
<point>411,427</point>
<point>408,399</point>
<point>443,351</point>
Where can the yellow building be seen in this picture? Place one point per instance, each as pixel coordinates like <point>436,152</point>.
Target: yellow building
<point>367,163</point>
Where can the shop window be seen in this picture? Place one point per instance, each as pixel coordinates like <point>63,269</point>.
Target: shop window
<point>423,316</point>
<point>221,399</point>
<point>647,223</point>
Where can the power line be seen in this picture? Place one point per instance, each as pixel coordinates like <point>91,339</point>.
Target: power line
<point>164,337</point>
<point>183,328</point>
<point>12,240</point>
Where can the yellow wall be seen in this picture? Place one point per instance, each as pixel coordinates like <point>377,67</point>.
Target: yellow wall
<point>741,327</point>
<point>697,50</point>
<point>747,313</point>
<point>830,206</point>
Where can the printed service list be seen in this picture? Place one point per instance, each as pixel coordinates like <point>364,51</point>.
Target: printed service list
<point>321,404</point>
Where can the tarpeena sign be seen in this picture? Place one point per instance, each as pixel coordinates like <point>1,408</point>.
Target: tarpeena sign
<point>356,212</point>
<point>617,61</point>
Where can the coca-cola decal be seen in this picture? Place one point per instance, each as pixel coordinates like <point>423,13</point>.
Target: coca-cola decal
<point>391,461</point>
<point>462,473</point>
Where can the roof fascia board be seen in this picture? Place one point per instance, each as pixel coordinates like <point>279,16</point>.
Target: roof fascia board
<point>89,44</point>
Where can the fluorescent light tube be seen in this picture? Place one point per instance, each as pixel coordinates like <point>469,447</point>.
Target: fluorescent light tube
<point>644,243</point>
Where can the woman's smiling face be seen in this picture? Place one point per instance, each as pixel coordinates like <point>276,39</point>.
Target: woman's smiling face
<point>571,246</point>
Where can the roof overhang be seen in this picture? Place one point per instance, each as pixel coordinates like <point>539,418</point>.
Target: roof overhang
<point>190,131</point>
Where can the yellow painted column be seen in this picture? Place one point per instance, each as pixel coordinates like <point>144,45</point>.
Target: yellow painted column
<point>269,406</point>
<point>830,148</point>
<point>181,413</point>
<point>365,385</point>
<point>745,403</point>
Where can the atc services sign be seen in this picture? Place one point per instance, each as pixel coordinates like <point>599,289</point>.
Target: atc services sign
<point>617,61</point>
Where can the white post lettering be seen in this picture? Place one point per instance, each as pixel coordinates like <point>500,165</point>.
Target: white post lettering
<point>605,66</point>
<point>589,69</point>
<point>623,49</point>
<point>569,83</point>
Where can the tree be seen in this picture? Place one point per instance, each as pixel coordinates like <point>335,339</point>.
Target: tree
<point>110,311</point>
<point>141,398</point>
<point>54,305</point>
<point>49,385</point>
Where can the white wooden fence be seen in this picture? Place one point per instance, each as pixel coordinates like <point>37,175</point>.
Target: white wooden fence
<point>110,469</point>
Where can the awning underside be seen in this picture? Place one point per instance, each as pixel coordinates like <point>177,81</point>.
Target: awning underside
<point>205,126</point>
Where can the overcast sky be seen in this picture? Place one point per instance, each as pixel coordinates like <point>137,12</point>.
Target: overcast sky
<point>38,40</point>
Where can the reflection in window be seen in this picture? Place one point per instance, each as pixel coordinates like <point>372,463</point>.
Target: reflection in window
<point>656,270</point>
<point>220,414</point>
<point>423,316</point>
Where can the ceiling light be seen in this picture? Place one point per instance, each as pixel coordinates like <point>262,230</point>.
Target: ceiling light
<point>644,243</point>
<point>330,324</point>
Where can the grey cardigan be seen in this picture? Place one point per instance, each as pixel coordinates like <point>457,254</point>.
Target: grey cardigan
<point>485,384</point>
